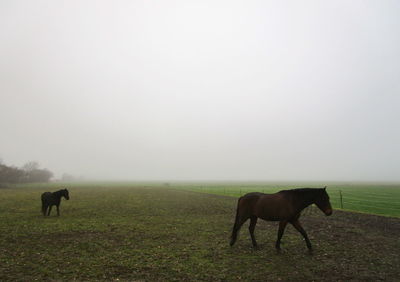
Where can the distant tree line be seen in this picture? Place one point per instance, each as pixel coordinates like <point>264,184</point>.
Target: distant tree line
<point>66,177</point>
<point>28,173</point>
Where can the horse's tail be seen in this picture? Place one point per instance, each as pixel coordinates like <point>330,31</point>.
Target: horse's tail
<point>236,225</point>
<point>43,204</point>
<point>43,209</point>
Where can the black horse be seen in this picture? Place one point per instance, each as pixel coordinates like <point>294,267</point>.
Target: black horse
<point>50,199</point>
<point>284,206</point>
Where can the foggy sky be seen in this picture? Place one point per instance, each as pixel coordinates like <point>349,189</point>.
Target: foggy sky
<point>202,90</point>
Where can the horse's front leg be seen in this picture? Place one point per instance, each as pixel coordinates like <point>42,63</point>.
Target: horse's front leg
<point>58,210</point>
<point>299,228</point>
<point>282,226</point>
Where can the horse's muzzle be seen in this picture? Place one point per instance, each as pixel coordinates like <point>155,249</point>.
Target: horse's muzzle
<point>328,212</point>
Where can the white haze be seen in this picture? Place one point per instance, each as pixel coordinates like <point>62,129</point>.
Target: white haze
<point>202,90</point>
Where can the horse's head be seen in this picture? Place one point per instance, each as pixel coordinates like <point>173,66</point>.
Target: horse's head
<point>322,201</point>
<point>65,194</point>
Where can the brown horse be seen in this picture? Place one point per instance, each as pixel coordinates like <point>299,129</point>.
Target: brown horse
<point>284,206</point>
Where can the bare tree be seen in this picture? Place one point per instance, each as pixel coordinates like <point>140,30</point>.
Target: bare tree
<point>66,177</point>
<point>39,175</point>
<point>30,166</point>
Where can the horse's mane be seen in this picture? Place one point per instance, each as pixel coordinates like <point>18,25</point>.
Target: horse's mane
<point>303,193</point>
<point>60,192</point>
<point>301,190</point>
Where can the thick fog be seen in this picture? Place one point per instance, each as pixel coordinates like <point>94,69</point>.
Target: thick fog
<point>202,90</point>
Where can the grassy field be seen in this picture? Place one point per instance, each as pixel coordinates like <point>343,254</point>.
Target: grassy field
<point>380,199</point>
<point>127,232</point>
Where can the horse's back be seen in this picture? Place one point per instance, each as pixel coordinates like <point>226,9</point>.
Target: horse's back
<point>251,197</point>
<point>247,202</point>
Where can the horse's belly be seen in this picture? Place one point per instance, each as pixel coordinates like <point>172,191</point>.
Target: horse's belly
<point>271,210</point>
<point>269,216</point>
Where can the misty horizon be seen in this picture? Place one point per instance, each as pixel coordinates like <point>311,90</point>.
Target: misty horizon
<point>209,91</point>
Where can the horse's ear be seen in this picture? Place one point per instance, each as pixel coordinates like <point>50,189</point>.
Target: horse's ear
<point>325,188</point>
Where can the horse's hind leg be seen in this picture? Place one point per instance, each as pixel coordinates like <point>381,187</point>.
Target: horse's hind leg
<point>236,227</point>
<point>252,226</point>
<point>48,213</point>
<point>282,226</point>
<point>44,209</point>
<point>299,228</point>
